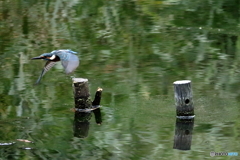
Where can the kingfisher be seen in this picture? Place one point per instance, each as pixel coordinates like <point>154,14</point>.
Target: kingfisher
<point>68,58</point>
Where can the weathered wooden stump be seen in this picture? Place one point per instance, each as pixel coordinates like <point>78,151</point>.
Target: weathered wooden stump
<point>95,104</point>
<point>82,103</point>
<point>183,99</point>
<point>183,134</point>
<point>84,106</point>
<point>81,93</point>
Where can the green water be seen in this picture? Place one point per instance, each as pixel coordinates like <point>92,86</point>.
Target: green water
<point>134,50</point>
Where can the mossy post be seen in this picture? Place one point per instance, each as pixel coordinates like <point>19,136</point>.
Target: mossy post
<point>81,93</point>
<point>183,99</point>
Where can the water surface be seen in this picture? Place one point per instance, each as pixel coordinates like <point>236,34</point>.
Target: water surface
<point>134,50</point>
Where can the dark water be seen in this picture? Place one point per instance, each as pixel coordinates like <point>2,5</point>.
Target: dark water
<point>134,50</point>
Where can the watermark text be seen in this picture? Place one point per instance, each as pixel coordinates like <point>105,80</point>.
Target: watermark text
<point>212,154</point>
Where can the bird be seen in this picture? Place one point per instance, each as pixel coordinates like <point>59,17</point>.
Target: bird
<point>67,57</point>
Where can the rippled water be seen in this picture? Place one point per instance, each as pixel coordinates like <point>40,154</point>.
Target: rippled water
<point>134,50</point>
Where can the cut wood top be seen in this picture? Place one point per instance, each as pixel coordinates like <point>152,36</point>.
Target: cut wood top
<point>99,89</point>
<point>76,80</point>
<point>182,82</point>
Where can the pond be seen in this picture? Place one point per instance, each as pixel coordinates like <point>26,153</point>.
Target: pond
<point>134,50</point>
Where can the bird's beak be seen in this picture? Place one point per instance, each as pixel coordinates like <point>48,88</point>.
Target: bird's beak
<point>40,57</point>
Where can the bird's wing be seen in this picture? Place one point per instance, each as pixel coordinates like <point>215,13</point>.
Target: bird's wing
<point>71,64</point>
<point>48,65</point>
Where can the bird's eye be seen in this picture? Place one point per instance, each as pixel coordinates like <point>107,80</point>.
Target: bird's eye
<point>53,57</point>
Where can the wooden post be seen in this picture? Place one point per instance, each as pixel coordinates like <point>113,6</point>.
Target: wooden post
<point>81,93</point>
<point>84,106</point>
<point>183,99</point>
<point>82,103</point>
<point>95,104</point>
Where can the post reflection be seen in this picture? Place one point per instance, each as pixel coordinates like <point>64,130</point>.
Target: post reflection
<point>183,134</point>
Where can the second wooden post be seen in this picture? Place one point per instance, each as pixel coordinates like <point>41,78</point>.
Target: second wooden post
<point>183,99</point>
